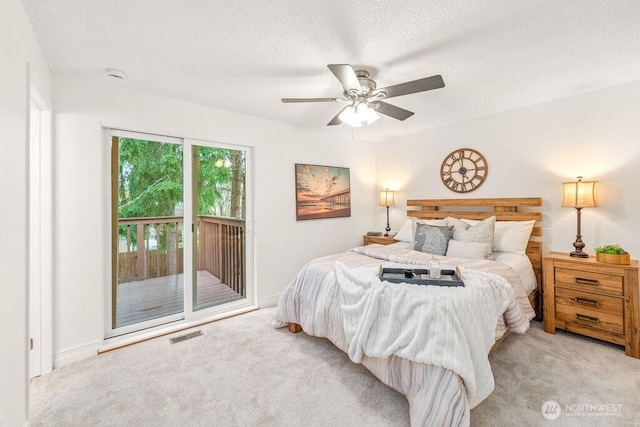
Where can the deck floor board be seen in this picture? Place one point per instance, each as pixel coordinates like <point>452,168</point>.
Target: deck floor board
<point>162,296</point>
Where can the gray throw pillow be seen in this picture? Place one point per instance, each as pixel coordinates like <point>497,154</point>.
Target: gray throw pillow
<point>432,239</point>
<point>482,232</point>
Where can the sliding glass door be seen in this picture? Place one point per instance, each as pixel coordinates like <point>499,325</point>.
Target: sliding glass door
<point>219,212</point>
<point>148,240</point>
<point>178,238</point>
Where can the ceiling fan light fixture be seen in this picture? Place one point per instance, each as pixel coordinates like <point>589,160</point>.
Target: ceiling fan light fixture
<point>356,116</point>
<point>369,114</point>
<point>350,116</point>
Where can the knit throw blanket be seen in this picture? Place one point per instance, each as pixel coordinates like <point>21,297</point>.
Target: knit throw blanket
<point>452,327</point>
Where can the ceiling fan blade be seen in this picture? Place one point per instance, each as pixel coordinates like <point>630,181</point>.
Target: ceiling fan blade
<point>420,85</point>
<point>347,76</point>
<point>336,120</point>
<point>392,110</point>
<point>288,100</point>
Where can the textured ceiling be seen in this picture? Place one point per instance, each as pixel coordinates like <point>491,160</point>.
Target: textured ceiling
<point>243,56</point>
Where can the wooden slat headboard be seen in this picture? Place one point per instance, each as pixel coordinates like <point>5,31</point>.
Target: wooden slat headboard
<point>505,209</point>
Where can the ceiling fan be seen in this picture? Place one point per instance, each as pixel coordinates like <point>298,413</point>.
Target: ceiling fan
<point>365,99</point>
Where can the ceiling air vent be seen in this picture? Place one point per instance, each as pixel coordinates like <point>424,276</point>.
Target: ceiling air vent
<point>115,74</point>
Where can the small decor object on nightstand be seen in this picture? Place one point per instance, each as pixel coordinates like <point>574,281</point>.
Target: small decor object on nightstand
<point>386,199</point>
<point>612,254</point>
<point>579,194</point>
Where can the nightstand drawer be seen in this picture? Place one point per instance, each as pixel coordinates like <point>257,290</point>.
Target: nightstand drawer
<point>590,281</point>
<point>584,309</point>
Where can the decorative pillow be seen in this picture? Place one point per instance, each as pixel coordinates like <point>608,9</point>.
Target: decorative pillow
<point>432,239</point>
<point>482,232</point>
<point>510,236</point>
<point>470,250</point>
<point>432,222</point>
<point>408,229</point>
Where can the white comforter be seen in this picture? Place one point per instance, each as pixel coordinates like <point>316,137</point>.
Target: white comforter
<point>441,388</point>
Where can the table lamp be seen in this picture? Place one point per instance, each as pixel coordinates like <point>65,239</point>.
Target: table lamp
<point>579,194</point>
<point>386,199</point>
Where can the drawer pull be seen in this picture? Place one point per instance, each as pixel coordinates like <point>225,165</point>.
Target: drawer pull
<point>587,301</point>
<point>582,281</point>
<point>587,318</point>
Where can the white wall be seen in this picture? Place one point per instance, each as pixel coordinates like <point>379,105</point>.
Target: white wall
<point>530,152</point>
<point>283,244</point>
<point>18,47</point>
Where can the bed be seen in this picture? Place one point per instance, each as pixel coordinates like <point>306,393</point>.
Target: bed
<point>429,343</point>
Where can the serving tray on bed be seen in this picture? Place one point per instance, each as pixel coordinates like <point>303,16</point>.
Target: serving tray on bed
<point>420,276</point>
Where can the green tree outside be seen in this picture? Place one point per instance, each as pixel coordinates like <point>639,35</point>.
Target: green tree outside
<point>150,181</point>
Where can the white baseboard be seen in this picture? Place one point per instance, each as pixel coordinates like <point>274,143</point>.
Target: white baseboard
<point>78,353</point>
<point>75,354</point>
<point>270,301</point>
<point>128,339</point>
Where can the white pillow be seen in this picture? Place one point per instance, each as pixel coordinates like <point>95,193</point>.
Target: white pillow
<point>470,250</point>
<point>408,230</point>
<point>405,234</point>
<point>510,236</point>
<point>482,232</point>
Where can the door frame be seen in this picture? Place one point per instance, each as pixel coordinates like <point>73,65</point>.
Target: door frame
<point>144,330</point>
<point>40,243</point>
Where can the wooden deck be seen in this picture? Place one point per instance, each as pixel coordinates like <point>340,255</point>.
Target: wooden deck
<point>162,296</point>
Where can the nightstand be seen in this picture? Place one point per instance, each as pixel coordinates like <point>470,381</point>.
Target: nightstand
<point>592,298</point>
<point>369,240</point>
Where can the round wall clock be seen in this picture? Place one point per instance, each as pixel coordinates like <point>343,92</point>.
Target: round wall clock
<point>464,170</point>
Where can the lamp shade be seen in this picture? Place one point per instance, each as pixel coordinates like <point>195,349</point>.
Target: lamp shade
<point>579,194</point>
<point>386,198</point>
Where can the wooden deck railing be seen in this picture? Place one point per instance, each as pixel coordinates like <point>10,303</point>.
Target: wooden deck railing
<point>220,249</point>
<point>153,248</point>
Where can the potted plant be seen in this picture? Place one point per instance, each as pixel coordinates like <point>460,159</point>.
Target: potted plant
<point>612,254</point>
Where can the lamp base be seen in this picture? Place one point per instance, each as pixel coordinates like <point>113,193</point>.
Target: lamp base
<point>388,228</point>
<point>579,244</point>
<point>580,254</point>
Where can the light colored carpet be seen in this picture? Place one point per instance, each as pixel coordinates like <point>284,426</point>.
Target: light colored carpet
<point>242,372</point>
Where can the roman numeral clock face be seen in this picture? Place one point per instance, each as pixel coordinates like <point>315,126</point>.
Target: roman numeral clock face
<point>464,170</point>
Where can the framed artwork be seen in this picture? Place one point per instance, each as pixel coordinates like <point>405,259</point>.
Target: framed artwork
<point>322,192</point>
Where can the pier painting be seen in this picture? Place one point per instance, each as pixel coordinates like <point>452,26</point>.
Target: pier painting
<point>322,192</point>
